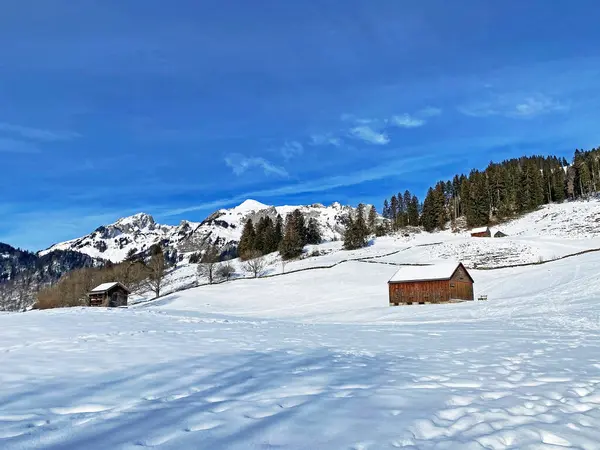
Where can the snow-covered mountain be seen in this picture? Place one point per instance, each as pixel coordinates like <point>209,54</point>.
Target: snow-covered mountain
<point>139,232</point>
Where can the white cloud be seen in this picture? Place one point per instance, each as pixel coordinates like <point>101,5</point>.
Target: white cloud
<point>290,149</point>
<point>407,121</point>
<point>38,134</point>
<point>325,139</point>
<point>514,106</point>
<point>370,135</point>
<point>241,164</point>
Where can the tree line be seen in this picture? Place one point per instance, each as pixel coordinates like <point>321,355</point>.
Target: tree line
<point>501,191</point>
<point>270,236</point>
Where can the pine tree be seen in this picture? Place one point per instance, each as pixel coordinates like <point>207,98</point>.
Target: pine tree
<point>428,217</point>
<point>386,209</point>
<point>278,230</point>
<point>298,221</point>
<point>394,211</point>
<point>313,234</point>
<point>248,240</point>
<point>372,219</point>
<point>292,244</point>
<point>413,211</point>
<point>357,232</point>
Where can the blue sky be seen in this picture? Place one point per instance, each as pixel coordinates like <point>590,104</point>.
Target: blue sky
<point>180,108</point>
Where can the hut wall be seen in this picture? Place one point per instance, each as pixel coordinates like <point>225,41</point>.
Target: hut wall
<point>419,292</point>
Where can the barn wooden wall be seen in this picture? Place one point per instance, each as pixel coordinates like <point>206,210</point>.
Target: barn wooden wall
<point>420,292</point>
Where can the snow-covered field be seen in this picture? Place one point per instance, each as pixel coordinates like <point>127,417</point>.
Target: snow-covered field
<point>317,359</point>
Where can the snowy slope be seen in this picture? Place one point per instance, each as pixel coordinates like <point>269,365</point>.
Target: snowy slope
<point>314,361</point>
<point>223,228</point>
<point>537,237</point>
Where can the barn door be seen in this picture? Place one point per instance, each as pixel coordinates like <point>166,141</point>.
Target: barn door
<point>453,290</point>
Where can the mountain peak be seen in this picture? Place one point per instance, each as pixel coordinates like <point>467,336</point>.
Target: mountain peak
<point>141,220</point>
<point>251,205</point>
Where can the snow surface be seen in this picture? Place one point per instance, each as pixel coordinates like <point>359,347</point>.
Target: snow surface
<point>440,271</point>
<point>104,287</point>
<point>318,360</point>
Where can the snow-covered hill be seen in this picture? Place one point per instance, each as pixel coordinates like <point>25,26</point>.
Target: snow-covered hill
<point>223,228</point>
<point>318,360</point>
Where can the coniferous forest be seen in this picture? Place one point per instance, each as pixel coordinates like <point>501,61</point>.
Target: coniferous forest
<point>501,191</point>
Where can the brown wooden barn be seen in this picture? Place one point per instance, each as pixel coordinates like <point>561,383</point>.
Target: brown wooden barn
<point>481,232</point>
<point>438,283</point>
<point>110,295</point>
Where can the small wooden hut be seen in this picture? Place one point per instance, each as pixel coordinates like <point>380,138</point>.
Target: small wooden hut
<point>481,232</point>
<point>440,283</point>
<point>110,295</point>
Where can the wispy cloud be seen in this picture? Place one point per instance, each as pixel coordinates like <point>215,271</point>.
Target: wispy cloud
<point>291,149</point>
<point>390,168</point>
<point>407,121</point>
<point>514,106</point>
<point>370,135</point>
<point>240,164</point>
<point>8,145</point>
<point>325,139</point>
<point>38,134</point>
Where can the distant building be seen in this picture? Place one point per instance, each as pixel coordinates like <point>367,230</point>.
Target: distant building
<point>481,232</point>
<point>110,295</point>
<point>499,234</point>
<point>438,283</point>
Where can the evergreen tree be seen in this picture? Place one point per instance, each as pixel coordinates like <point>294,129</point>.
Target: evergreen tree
<point>278,230</point>
<point>298,221</point>
<point>413,211</point>
<point>394,211</point>
<point>372,219</point>
<point>357,232</point>
<point>428,217</point>
<point>313,234</point>
<point>292,243</point>
<point>248,240</point>
<point>386,209</point>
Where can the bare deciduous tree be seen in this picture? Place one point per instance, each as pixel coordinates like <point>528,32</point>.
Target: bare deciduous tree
<point>156,271</point>
<point>225,270</point>
<point>208,264</point>
<point>255,263</point>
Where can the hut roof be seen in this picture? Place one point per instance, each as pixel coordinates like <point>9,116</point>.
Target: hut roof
<point>435,272</point>
<point>480,230</point>
<point>105,287</point>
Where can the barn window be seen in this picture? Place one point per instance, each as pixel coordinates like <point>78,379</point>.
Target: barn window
<point>452,285</point>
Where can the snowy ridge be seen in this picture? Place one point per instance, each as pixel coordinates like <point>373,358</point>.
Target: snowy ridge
<point>223,228</point>
<point>136,233</point>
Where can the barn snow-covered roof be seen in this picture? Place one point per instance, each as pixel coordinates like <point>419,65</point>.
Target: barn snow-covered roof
<point>479,230</point>
<point>106,287</point>
<point>442,271</point>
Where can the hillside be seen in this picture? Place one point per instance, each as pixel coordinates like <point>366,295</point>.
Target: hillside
<point>551,232</point>
<point>316,359</point>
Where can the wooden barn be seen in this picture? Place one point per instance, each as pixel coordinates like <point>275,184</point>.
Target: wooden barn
<point>440,283</point>
<point>109,295</point>
<point>481,232</point>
